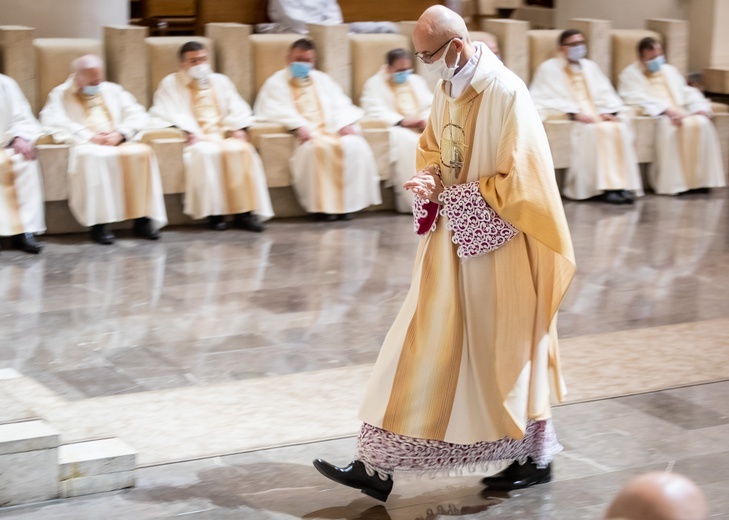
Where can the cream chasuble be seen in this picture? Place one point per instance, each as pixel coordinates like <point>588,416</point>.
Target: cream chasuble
<point>331,173</point>
<point>21,189</point>
<point>687,156</point>
<point>223,175</point>
<point>472,356</point>
<point>106,183</point>
<point>383,99</point>
<point>602,154</point>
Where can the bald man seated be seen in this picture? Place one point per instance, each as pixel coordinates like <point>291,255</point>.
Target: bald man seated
<point>659,496</point>
<point>110,178</point>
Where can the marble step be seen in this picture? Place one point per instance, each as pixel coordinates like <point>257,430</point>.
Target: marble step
<point>95,466</point>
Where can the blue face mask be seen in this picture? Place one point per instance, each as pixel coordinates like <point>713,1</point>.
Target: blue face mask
<point>656,63</point>
<point>91,90</point>
<point>401,77</point>
<point>300,69</point>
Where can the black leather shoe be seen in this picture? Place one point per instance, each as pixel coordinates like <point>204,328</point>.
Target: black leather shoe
<point>143,228</point>
<point>248,221</point>
<point>101,234</point>
<point>518,476</point>
<point>217,223</point>
<point>355,475</point>
<point>344,216</point>
<point>27,242</point>
<point>614,197</point>
<point>628,196</point>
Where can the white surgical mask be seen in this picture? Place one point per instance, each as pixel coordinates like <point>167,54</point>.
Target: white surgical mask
<point>439,67</point>
<point>200,72</point>
<point>91,90</point>
<point>577,53</point>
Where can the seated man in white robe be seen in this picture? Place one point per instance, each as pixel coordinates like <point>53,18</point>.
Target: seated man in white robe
<point>292,16</point>
<point>688,153</point>
<point>223,172</point>
<point>403,100</point>
<point>110,178</point>
<point>21,190</point>
<point>603,161</point>
<point>333,168</point>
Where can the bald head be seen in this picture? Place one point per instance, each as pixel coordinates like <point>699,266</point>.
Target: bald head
<point>659,496</point>
<point>441,32</point>
<point>88,71</point>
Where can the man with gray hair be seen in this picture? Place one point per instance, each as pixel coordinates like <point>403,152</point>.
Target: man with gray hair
<point>466,374</point>
<point>110,178</point>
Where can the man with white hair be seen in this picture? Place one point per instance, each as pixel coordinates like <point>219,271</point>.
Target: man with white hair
<point>466,374</point>
<point>603,161</point>
<point>110,178</point>
<point>21,190</point>
<point>223,173</point>
<point>402,99</point>
<point>333,168</point>
<point>658,496</point>
<point>688,152</point>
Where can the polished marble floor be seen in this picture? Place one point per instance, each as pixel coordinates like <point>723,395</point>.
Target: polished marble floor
<point>200,311</point>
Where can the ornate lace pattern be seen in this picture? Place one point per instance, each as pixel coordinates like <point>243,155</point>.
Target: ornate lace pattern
<point>423,211</point>
<point>385,452</point>
<point>476,227</point>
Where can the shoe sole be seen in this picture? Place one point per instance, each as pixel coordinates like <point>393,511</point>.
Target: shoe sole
<point>382,497</point>
<point>369,492</point>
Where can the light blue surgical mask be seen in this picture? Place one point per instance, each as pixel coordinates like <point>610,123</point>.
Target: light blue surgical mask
<point>300,69</point>
<point>91,90</point>
<point>401,76</point>
<point>656,63</point>
<point>577,53</point>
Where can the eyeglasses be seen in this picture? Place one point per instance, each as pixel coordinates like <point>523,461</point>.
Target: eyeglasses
<point>197,61</point>
<point>427,57</point>
<point>574,44</point>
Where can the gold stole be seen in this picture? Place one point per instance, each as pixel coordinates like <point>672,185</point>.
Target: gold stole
<point>406,102</point>
<point>581,92</point>
<point>427,374</point>
<point>8,194</point>
<point>98,117</point>
<point>659,86</point>
<point>206,109</point>
<point>328,153</point>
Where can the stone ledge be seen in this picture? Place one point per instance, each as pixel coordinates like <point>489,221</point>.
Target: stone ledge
<point>89,485</point>
<point>20,437</point>
<point>93,458</point>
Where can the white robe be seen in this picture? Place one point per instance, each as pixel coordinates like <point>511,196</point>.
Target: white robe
<point>106,183</point>
<point>21,189</point>
<point>602,154</point>
<point>293,15</point>
<point>360,183</point>
<point>689,156</point>
<point>222,176</point>
<point>378,101</point>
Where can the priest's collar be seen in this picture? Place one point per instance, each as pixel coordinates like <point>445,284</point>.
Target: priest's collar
<point>462,79</point>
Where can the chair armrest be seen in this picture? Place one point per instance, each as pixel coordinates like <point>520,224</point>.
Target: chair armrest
<point>369,123</point>
<point>258,130</point>
<point>719,108</point>
<point>147,136</point>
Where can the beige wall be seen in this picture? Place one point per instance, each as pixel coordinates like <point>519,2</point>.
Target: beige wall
<point>709,47</point>
<point>625,14</point>
<point>65,18</point>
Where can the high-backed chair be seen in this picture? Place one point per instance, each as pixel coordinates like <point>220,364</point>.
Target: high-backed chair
<point>542,47</point>
<point>624,43</point>
<point>269,56</point>
<point>368,55</point>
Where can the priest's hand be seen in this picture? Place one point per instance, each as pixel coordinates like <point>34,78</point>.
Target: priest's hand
<point>425,185</point>
<point>191,138</point>
<point>23,147</point>
<point>675,116</point>
<point>584,118</point>
<point>415,124</point>
<point>240,134</point>
<point>705,114</point>
<point>347,130</point>
<point>609,117</point>
<point>303,134</point>
<point>114,138</point>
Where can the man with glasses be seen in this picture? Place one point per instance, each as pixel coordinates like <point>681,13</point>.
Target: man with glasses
<point>688,153</point>
<point>603,161</point>
<point>402,99</point>
<point>223,172</point>
<point>465,375</point>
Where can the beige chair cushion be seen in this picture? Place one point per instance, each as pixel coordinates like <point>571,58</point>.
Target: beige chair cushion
<point>162,58</point>
<point>625,48</point>
<point>543,45</point>
<point>269,56</point>
<point>368,55</point>
<point>53,62</point>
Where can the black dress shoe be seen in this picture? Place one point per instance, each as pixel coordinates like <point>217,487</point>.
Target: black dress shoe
<point>628,196</point>
<point>518,476</point>
<point>614,197</point>
<point>355,475</point>
<point>101,234</point>
<point>248,221</point>
<point>144,228</point>
<point>27,242</point>
<point>217,223</point>
<point>344,216</point>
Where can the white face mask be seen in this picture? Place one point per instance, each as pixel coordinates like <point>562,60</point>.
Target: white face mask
<point>440,68</point>
<point>577,53</point>
<point>200,72</point>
